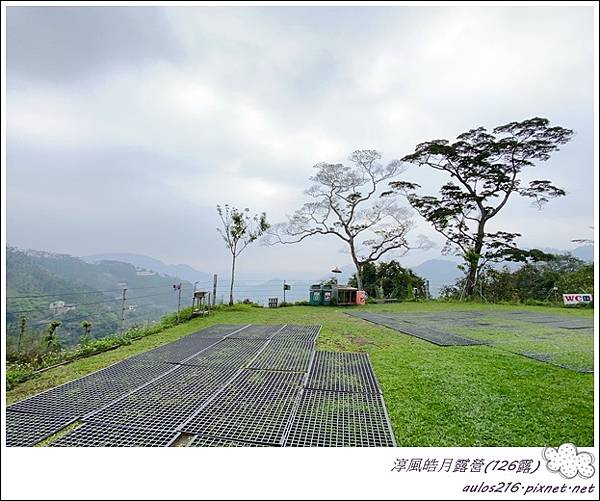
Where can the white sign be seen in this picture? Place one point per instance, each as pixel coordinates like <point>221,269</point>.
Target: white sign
<point>570,299</point>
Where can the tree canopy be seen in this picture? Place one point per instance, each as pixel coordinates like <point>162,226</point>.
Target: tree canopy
<point>485,170</point>
<point>239,230</point>
<point>344,202</point>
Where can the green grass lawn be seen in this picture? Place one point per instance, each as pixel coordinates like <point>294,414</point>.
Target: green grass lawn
<point>435,396</point>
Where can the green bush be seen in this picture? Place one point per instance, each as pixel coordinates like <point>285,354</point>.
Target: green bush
<point>23,365</point>
<point>17,373</point>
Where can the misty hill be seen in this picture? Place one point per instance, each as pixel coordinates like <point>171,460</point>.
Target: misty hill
<point>43,286</point>
<point>583,252</point>
<point>439,272</point>
<point>442,272</point>
<point>182,271</point>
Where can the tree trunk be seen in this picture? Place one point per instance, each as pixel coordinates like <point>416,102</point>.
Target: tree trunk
<point>359,282</point>
<point>473,261</point>
<point>358,266</point>
<point>471,277</point>
<point>232,279</point>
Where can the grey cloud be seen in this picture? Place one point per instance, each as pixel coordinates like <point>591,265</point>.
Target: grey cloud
<point>126,125</point>
<point>62,43</point>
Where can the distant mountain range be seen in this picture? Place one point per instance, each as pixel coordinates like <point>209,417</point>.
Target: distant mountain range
<point>43,286</point>
<point>442,272</point>
<point>73,280</point>
<point>439,272</point>
<point>182,271</point>
<point>583,252</point>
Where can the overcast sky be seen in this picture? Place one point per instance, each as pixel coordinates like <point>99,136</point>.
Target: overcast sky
<point>126,126</point>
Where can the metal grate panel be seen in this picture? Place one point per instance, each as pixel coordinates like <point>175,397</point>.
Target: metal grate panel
<point>200,441</point>
<point>255,407</point>
<point>99,435</point>
<point>306,333</point>
<point>350,372</point>
<point>77,398</point>
<point>575,325</point>
<point>26,430</point>
<point>218,330</point>
<point>166,403</point>
<point>287,355</point>
<point>332,419</point>
<point>257,332</point>
<point>228,353</point>
<point>179,350</point>
<point>433,336</point>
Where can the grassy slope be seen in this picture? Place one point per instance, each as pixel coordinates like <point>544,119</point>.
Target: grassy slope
<point>436,396</point>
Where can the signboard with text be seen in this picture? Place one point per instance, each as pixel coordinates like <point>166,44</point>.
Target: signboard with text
<point>573,299</point>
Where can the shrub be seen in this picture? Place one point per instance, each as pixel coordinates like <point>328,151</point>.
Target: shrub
<point>23,365</point>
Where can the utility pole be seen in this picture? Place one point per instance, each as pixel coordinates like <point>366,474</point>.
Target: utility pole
<point>427,293</point>
<point>123,307</point>
<point>214,295</point>
<point>178,302</point>
<point>21,331</point>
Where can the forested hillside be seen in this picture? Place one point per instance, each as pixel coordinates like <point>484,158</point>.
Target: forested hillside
<point>44,287</point>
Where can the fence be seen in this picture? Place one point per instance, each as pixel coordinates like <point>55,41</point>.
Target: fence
<point>117,309</point>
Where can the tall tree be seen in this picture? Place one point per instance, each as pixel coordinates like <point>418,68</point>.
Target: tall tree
<point>485,171</point>
<point>344,202</point>
<point>239,230</point>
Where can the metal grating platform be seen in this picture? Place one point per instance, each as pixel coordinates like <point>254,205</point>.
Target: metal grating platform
<point>306,333</point>
<point>199,441</point>
<point>255,407</point>
<point>228,353</point>
<point>333,419</point>
<point>27,430</point>
<point>433,336</point>
<point>257,332</point>
<point>347,372</point>
<point>98,435</point>
<point>575,325</point>
<point>286,355</point>
<point>166,403</point>
<point>81,396</point>
<point>179,350</point>
<point>147,400</point>
<point>218,330</point>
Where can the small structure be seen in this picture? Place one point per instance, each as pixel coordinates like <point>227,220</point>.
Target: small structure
<point>201,303</point>
<point>336,294</point>
<point>273,302</point>
<point>60,307</point>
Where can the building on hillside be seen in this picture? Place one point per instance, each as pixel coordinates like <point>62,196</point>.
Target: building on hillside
<point>60,307</point>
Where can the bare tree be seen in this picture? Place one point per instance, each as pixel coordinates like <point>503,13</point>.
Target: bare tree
<point>344,203</point>
<point>239,230</point>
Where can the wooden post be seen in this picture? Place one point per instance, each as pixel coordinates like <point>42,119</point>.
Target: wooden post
<point>214,294</point>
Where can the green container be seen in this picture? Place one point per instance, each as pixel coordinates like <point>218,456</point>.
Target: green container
<point>316,295</point>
